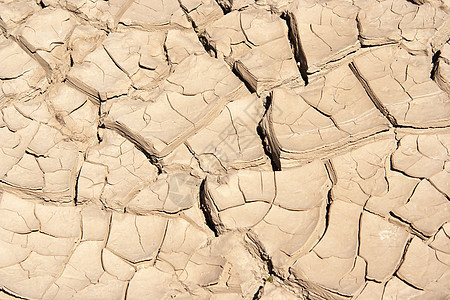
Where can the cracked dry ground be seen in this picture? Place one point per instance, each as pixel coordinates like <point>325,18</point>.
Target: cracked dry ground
<point>202,149</point>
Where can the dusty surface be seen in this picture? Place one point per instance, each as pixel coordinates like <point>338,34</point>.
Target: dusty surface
<point>202,149</point>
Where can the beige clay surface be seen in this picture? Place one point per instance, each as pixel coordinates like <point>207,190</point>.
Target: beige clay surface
<point>224,149</point>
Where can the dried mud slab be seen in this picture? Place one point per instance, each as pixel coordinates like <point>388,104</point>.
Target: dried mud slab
<point>411,24</point>
<point>37,157</point>
<point>264,204</point>
<point>401,88</point>
<point>231,141</point>
<point>21,77</point>
<point>364,226</point>
<point>185,106</point>
<point>324,31</point>
<point>310,122</point>
<point>254,42</point>
<point>218,149</point>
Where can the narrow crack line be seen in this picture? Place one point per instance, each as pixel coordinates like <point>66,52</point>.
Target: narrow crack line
<point>394,169</point>
<point>225,5</point>
<point>244,75</point>
<point>369,91</point>
<point>32,53</point>
<point>125,6</point>
<point>408,283</point>
<point>166,54</point>
<point>244,33</point>
<point>373,212</point>
<point>189,148</point>
<point>75,192</point>
<point>371,279</point>
<point>358,246</point>
<point>330,200</point>
<point>329,116</point>
<point>138,141</point>
<point>234,127</point>
<point>337,293</point>
<point>108,232</point>
<point>270,150</point>
<point>12,294</point>
<point>436,187</point>
<point>207,208</point>
<point>435,69</point>
<point>296,45</point>
<point>6,78</point>
<point>331,171</point>
<point>409,225</point>
<point>115,62</point>
<point>202,35</point>
<point>28,191</point>
<point>71,60</point>
<point>303,286</point>
<point>185,10</point>
<point>418,128</point>
<point>139,235</point>
<point>3,29</point>
<point>237,67</point>
<point>125,293</point>
<point>333,178</point>
<point>319,37</point>
<point>99,122</point>
<point>359,27</point>
<point>79,86</point>
<point>416,2</point>
<point>179,113</point>
<point>259,293</point>
<point>207,44</point>
<point>35,155</point>
<point>256,244</point>
<point>413,191</point>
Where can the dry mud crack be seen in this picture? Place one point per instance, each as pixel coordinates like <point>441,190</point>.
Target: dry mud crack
<point>224,149</point>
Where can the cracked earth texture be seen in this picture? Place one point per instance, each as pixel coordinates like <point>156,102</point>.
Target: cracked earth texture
<point>224,149</point>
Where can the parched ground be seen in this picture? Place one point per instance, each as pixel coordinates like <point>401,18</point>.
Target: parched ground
<point>224,149</point>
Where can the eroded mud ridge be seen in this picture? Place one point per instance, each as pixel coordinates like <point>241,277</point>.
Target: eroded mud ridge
<point>229,149</point>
